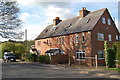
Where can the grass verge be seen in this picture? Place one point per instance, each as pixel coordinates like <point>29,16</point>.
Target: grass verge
<point>114,69</point>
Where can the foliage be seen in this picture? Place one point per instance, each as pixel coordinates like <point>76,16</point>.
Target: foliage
<point>105,50</point>
<point>8,46</point>
<point>116,45</point>
<point>10,24</point>
<point>32,57</point>
<point>44,59</point>
<point>28,44</point>
<point>17,48</point>
<point>111,57</point>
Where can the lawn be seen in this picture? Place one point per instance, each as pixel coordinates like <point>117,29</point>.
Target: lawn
<point>114,69</point>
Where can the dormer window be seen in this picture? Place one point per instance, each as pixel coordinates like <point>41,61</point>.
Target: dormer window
<point>109,22</point>
<point>103,20</point>
<point>87,20</point>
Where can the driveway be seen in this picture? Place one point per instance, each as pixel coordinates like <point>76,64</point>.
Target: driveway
<point>37,70</point>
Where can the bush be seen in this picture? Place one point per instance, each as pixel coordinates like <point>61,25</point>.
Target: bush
<point>111,57</point>
<point>32,57</point>
<point>44,59</point>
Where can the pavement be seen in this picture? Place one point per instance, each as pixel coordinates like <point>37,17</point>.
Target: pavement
<point>37,70</point>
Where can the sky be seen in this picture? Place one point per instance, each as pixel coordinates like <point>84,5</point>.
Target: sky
<point>37,14</point>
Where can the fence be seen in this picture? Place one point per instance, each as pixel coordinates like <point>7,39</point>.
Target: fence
<point>117,63</point>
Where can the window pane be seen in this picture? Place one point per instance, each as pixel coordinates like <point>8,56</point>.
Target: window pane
<point>116,37</point>
<point>83,55</point>
<point>109,22</point>
<point>110,37</point>
<point>80,54</point>
<point>76,38</point>
<point>101,54</point>
<point>100,36</point>
<point>103,20</point>
<point>83,37</point>
<point>77,56</point>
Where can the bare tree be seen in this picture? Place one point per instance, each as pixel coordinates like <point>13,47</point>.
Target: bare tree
<point>10,24</point>
<point>69,45</point>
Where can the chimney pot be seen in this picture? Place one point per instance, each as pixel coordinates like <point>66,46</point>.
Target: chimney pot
<point>57,18</point>
<point>56,21</point>
<point>83,12</point>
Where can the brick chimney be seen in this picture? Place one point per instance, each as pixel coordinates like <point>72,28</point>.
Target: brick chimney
<point>56,21</point>
<point>83,12</point>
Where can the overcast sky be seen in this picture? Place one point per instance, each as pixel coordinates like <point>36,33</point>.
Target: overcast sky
<point>37,14</point>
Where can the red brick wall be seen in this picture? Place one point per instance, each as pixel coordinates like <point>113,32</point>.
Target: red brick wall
<point>106,30</point>
<point>68,45</point>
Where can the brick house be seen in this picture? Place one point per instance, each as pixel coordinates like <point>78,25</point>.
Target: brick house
<point>82,37</point>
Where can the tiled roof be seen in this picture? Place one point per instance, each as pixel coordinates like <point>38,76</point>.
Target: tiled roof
<point>73,25</point>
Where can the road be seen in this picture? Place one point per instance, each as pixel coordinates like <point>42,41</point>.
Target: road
<point>37,70</point>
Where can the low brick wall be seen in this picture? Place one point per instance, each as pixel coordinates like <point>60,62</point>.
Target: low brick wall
<point>59,59</point>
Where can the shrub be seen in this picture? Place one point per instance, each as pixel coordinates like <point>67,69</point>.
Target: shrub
<point>44,59</point>
<point>31,57</point>
<point>111,57</point>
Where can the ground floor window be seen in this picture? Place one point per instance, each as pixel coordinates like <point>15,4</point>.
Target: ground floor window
<point>80,54</point>
<point>101,54</point>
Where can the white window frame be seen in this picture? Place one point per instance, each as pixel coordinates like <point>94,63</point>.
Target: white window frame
<point>80,55</point>
<point>99,53</point>
<point>100,36</point>
<point>103,20</point>
<point>110,37</point>
<point>109,22</point>
<point>77,38</point>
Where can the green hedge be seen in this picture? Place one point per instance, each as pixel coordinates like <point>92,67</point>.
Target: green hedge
<point>32,57</point>
<point>44,59</point>
<point>111,57</point>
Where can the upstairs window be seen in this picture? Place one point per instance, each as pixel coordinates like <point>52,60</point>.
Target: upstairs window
<point>103,20</point>
<point>83,38</point>
<point>109,22</point>
<point>62,40</point>
<point>110,37</point>
<point>100,36</point>
<point>76,38</point>
<point>58,40</point>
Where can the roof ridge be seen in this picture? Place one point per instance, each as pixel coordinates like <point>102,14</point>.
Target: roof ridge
<point>70,18</point>
<point>98,10</point>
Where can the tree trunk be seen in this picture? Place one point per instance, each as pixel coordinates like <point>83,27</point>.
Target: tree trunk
<point>69,59</point>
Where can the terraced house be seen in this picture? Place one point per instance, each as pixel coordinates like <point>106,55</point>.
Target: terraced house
<point>82,37</point>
